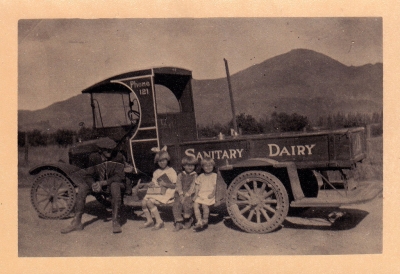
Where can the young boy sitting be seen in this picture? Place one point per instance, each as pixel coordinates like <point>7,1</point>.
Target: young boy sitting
<point>184,189</point>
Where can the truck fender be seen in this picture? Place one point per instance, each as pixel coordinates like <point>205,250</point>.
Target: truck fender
<point>263,162</point>
<point>66,169</point>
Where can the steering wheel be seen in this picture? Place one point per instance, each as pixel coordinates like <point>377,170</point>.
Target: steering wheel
<point>133,115</point>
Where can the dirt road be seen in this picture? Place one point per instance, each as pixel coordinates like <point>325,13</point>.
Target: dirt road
<point>357,231</point>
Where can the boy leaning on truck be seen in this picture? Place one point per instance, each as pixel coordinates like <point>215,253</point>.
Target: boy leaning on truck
<point>105,173</point>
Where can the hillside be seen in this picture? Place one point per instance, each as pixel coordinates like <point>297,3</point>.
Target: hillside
<point>65,114</point>
<point>301,81</point>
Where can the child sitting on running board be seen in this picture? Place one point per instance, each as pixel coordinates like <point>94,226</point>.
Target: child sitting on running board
<point>184,189</point>
<point>150,201</point>
<point>204,193</point>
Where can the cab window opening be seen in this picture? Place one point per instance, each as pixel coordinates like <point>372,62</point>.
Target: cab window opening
<point>166,101</point>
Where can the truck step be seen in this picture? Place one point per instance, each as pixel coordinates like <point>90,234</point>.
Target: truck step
<point>337,197</point>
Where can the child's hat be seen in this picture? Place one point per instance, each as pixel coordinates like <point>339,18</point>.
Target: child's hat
<point>161,154</point>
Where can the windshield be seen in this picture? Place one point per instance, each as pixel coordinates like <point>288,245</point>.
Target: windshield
<point>113,109</point>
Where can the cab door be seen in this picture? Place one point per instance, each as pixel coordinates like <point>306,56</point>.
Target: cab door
<point>146,137</point>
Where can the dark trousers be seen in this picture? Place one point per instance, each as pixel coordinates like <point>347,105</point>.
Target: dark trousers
<point>116,193</point>
<point>85,182</point>
<point>178,207</point>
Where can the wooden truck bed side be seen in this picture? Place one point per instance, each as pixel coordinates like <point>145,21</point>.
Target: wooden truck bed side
<point>335,149</point>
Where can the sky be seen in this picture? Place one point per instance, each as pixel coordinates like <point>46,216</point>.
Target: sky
<point>58,58</point>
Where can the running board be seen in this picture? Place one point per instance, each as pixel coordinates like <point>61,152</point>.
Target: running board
<point>337,197</point>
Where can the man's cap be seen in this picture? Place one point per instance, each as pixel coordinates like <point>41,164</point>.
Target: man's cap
<point>106,143</point>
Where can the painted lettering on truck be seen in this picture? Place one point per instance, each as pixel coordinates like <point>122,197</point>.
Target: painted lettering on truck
<point>216,154</point>
<point>274,150</point>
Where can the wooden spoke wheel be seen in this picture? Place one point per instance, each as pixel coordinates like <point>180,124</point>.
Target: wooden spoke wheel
<point>257,202</point>
<point>52,195</point>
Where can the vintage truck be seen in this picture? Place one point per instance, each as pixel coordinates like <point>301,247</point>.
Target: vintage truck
<point>265,174</point>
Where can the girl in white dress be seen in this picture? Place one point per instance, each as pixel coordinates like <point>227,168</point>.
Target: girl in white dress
<point>150,201</point>
<point>204,193</point>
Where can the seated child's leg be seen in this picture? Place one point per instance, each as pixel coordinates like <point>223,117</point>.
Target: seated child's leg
<point>149,219</point>
<point>187,208</point>
<point>197,212</point>
<point>154,211</point>
<point>177,209</point>
<point>187,212</point>
<point>146,211</point>
<point>156,214</point>
<point>206,213</point>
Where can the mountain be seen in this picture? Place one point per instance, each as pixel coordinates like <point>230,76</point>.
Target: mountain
<point>302,81</point>
<point>65,114</point>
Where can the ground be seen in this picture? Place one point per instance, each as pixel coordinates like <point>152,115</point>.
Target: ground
<point>355,229</point>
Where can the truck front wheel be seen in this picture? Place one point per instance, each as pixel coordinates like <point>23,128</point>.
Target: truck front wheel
<point>52,195</point>
<point>257,202</point>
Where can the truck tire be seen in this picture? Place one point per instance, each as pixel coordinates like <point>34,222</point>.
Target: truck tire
<point>52,195</point>
<point>257,202</point>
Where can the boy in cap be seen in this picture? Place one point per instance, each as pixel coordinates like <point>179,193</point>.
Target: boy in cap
<point>105,173</point>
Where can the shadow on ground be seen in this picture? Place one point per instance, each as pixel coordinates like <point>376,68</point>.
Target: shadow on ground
<point>101,213</point>
<point>312,218</point>
<point>316,218</point>
<point>326,219</point>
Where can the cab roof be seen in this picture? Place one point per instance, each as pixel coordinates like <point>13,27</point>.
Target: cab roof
<point>173,78</point>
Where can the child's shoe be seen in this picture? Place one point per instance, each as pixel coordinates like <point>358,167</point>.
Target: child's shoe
<point>202,226</point>
<point>158,226</point>
<point>188,223</point>
<point>147,224</point>
<point>178,226</point>
<point>205,224</point>
<point>197,226</point>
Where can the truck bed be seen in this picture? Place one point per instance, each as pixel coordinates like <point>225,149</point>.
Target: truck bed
<point>341,148</point>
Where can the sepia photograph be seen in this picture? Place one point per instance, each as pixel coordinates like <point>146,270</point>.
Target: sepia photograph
<point>200,136</point>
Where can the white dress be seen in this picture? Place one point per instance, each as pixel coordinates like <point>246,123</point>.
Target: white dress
<point>206,184</point>
<point>168,197</point>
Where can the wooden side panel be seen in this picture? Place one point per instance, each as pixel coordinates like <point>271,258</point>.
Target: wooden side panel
<point>293,149</point>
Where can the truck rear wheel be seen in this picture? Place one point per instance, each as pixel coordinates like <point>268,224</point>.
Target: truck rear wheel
<point>52,195</point>
<point>257,202</point>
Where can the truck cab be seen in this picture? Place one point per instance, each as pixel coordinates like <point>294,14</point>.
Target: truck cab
<point>142,110</point>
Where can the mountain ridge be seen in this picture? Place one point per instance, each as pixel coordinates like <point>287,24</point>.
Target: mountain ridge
<point>301,80</point>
